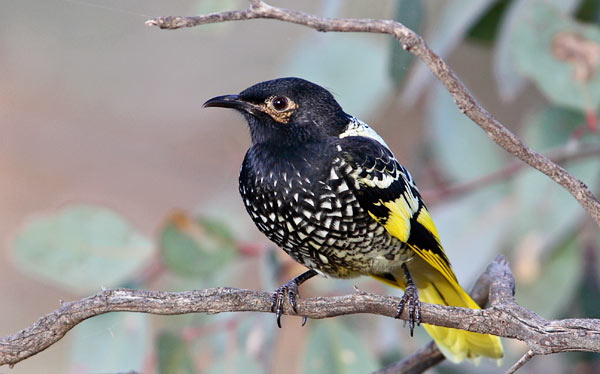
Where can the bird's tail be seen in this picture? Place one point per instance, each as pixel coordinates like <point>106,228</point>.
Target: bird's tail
<point>456,345</point>
<point>434,288</point>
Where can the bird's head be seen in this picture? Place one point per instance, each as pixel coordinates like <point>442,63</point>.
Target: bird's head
<point>286,111</point>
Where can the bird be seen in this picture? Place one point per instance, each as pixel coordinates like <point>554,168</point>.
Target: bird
<point>327,189</point>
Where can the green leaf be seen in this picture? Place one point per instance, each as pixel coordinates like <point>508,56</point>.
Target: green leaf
<point>80,248</point>
<point>410,14</point>
<point>334,348</point>
<point>196,247</point>
<point>110,343</point>
<point>173,355</point>
<point>511,82</point>
<point>331,59</point>
<point>555,52</point>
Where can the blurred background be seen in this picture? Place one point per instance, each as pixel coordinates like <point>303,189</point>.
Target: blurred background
<point>112,175</point>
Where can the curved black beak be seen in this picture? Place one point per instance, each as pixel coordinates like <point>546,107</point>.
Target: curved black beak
<point>230,101</point>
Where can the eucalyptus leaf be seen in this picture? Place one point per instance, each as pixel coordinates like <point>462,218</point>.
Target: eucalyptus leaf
<point>557,53</point>
<point>196,247</point>
<point>510,82</point>
<point>80,248</point>
<point>110,343</point>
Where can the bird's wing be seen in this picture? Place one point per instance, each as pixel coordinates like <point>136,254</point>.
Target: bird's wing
<point>385,189</point>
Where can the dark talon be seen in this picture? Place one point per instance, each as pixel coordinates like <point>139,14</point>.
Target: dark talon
<point>291,288</point>
<point>410,298</point>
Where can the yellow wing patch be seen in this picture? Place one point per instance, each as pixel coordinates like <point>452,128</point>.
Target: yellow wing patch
<point>425,219</point>
<point>400,211</point>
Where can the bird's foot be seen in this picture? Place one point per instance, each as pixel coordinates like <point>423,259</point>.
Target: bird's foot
<point>291,289</point>
<point>410,298</point>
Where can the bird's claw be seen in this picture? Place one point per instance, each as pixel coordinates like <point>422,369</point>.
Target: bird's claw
<point>291,288</point>
<point>410,298</point>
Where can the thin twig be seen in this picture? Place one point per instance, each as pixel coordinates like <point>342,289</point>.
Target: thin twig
<point>415,44</point>
<point>560,155</point>
<point>505,318</point>
<point>522,361</point>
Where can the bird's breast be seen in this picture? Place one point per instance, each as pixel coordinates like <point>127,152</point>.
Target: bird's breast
<point>311,212</point>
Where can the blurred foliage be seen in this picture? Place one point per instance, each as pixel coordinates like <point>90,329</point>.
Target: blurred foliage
<point>589,11</point>
<point>195,247</point>
<point>111,343</point>
<point>443,34</point>
<point>335,348</point>
<point>546,44</point>
<point>173,355</point>
<point>82,248</point>
<point>509,78</point>
<point>486,28</point>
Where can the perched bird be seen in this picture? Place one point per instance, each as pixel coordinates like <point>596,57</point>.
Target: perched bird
<point>326,188</point>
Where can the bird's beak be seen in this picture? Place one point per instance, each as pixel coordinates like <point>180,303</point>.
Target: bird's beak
<point>230,101</point>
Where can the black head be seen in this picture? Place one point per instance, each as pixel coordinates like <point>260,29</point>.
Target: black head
<point>286,111</point>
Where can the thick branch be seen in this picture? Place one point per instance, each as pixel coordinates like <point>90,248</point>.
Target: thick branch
<point>413,43</point>
<point>504,318</point>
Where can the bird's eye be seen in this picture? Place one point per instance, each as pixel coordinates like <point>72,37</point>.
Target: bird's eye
<point>279,103</point>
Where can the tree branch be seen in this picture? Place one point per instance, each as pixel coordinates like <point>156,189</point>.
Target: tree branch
<point>415,44</point>
<point>505,318</point>
<point>426,357</point>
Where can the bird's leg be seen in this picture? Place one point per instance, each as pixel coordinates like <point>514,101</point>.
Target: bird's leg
<point>291,288</point>
<point>410,297</point>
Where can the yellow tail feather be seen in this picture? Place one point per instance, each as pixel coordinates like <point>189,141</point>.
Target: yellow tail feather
<point>456,345</point>
<point>434,288</point>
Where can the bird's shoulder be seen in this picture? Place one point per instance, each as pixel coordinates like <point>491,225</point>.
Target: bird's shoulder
<point>373,167</point>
